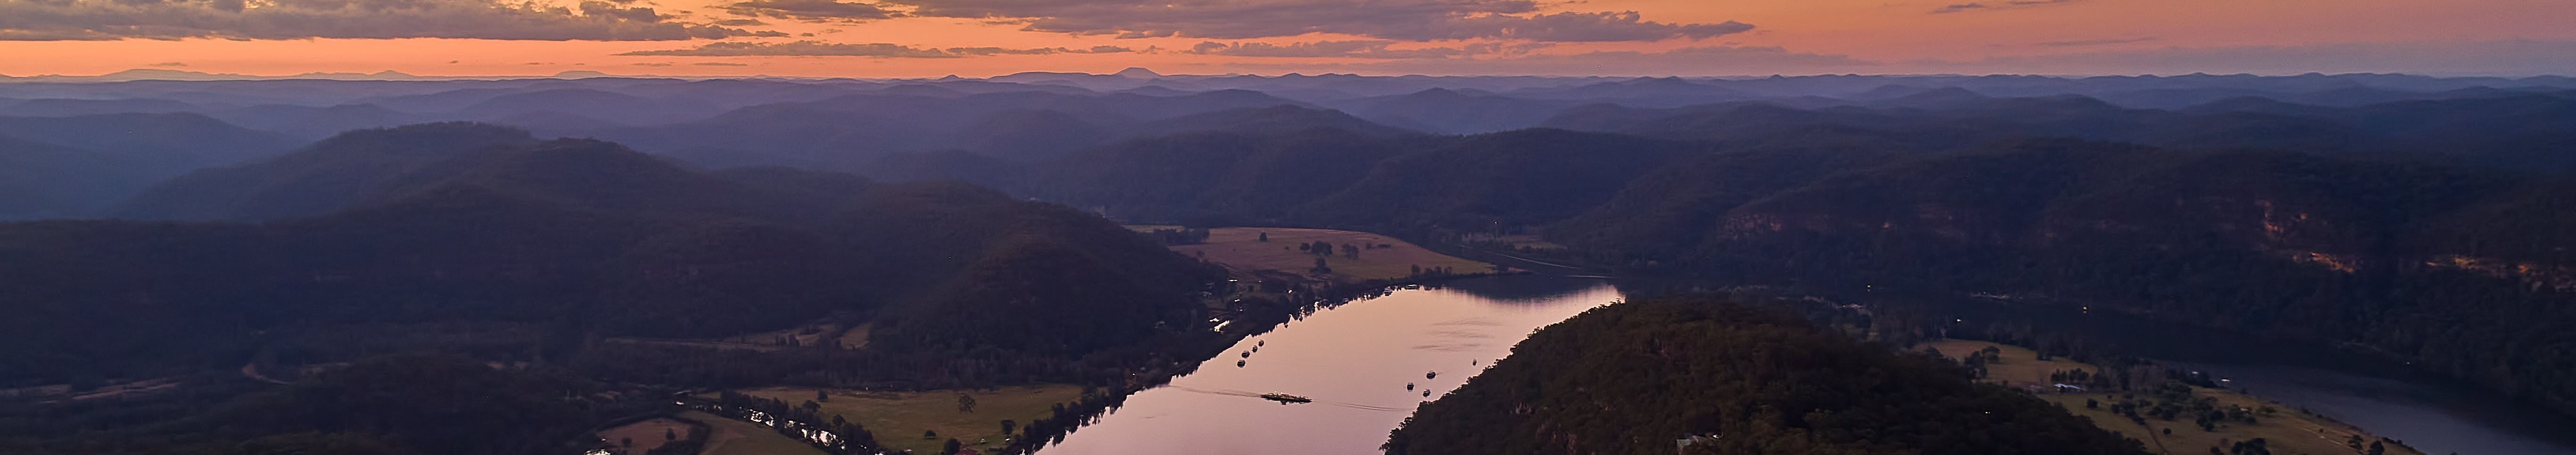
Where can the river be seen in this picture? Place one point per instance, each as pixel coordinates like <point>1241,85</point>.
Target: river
<point>1355,360</point>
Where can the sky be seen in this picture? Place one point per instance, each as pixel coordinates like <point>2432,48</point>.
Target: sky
<point>977,38</point>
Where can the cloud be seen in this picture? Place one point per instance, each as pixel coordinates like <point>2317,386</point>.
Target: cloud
<point>25,20</point>
<point>1371,49</point>
<point>169,64</point>
<point>653,64</point>
<point>2448,58</point>
<point>1690,61</point>
<point>808,10</point>
<point>2098,42</point>
<point>881,50</point>
<point>2007,4</point>
<point>1407,20</point>
<point>718,64</point>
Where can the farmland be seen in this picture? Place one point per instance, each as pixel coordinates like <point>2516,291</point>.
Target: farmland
<point>735,437</point>
<point>898,419</point>
<point>2285,429</point>
<point>1378,257</point>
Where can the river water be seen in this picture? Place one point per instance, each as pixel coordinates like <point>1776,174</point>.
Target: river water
<point>1354,360</point>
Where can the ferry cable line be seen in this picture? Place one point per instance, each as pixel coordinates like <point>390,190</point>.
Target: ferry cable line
<point>1239,393</point>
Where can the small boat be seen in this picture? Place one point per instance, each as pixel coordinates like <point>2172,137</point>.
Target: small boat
<point>1238,364</point>
<point>1283,398</point>
<point>1247,355</point>
<point>1431,375</point>
<point>1471,361</point>
<point>1408,386</point>
<point>1426,393</point>
<point>1259,343</point>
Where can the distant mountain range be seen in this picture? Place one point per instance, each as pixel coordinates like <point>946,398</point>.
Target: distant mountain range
<point>2420,219</point>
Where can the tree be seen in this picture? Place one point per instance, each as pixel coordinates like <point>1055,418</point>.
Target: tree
<point>822,396</point>
<point>950,447</point>
<point>668,435</point>
<point>2378,449</point>
<point>929,434</point>
<point>1008,425</point>
<point>626,442</point>
<point>1265,237</point>
<point>965,403</point>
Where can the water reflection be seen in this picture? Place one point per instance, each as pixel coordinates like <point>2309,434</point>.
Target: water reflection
<point>1365,364</point>
<point>1540,289</point>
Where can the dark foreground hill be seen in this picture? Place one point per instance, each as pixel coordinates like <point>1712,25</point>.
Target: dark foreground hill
<point>1640,377</point>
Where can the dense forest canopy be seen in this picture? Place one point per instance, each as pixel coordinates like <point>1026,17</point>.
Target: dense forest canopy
<point>1702,375</point>
<point>476,240</point>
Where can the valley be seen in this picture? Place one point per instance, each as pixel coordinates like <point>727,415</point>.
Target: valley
<point>1127,263</point>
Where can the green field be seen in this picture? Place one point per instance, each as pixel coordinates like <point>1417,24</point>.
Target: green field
<point>735,437</point>
<point>644,436</point>
<point>898,418</point>
<point>1241,250</point>
<point>2287,430</point>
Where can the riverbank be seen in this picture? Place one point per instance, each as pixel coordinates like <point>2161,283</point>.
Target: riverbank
<point>2241,418</point>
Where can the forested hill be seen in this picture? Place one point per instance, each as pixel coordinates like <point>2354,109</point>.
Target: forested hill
<point>1640,377</point>
<point>536,245</point>
<point>2442,246</point>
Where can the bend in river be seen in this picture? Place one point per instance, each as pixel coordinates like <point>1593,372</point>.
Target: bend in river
<point>1354,360</point>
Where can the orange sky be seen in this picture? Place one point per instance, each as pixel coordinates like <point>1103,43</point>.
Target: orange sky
<point>1871,36</point>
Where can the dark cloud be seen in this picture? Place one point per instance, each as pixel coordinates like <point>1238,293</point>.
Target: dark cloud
<point>653,64</point>
<point>169,64</point>
<point>881,50</point>
<point>1407,20</point>
<point>1371,49</point>
<point>718,64</point>
<point>2446,58</point>
<point>2098,42</point>
<point>298,19</point>
<point>1689,61</point>
<point>740,22</point>
<point>808,10</point>
<point>2008,4</point>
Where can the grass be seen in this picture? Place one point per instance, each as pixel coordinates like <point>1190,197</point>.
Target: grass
<point>2286,431</point>
<point>645,435</point>
<point>735,437</point>
<point>855,338</point>
<point>1241,250</point>
<point>898,418</point>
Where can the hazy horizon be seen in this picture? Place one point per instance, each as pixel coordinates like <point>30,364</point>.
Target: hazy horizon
<point>932,38</point>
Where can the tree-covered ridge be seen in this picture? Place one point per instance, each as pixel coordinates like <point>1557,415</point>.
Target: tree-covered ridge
<point>540,245</point>
<point>2414,251</point>
<point>1705,376</point>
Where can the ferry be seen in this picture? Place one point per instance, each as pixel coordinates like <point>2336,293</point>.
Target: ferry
<point>1283,398</point>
